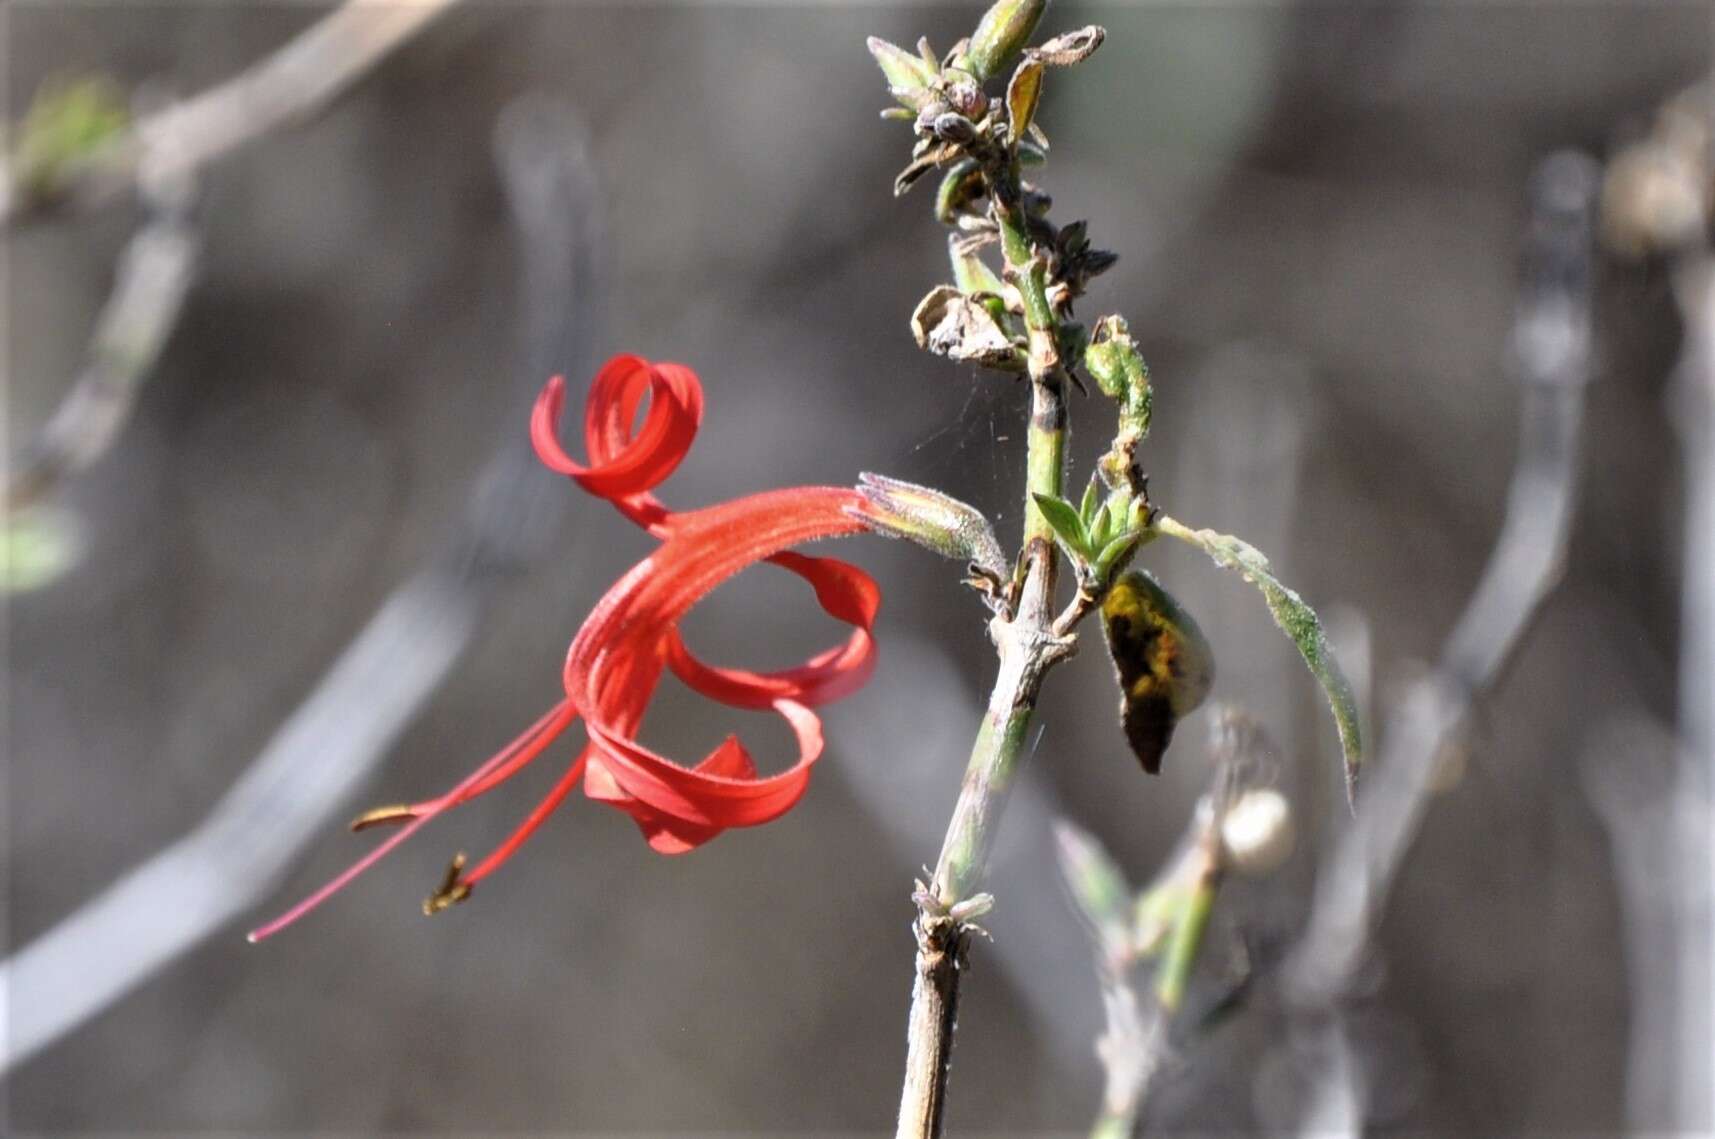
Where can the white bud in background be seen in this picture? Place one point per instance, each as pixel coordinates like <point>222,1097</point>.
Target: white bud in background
<point>1257,833</point>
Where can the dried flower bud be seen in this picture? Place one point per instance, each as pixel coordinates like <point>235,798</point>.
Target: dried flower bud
<point>933,520</point>
<point>950,324</point>
<point>968,99</point>
<point>955,128</point>
<point>1257,832</point>
<point>1001,35</point>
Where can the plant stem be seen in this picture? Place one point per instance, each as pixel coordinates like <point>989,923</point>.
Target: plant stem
<point>1028,647</point>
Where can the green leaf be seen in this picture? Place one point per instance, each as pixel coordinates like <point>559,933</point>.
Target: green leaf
<point>1067,526</point>
<point>1092,497</point>
<point>1116,552</point>
<point>1296,619</point>
<point>1097,531</point>
<point>1164,663</point>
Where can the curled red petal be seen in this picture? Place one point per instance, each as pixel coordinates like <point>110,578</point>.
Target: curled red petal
<point>847,594</point>
<point>617,657</point>
<point>624,466</point>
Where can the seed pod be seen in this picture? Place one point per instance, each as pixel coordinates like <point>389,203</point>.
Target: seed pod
<point>1165,665</point>
<point>1001,35</point>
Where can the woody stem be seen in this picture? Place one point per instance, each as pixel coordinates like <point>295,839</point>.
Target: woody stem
<point>1028,647</point>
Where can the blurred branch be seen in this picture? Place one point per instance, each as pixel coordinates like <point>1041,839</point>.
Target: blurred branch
<point>1695,799</point>
<point>1240,823</point>
<point>1659,201</point>
<point>342,731</point>
<point>1551,354</point>
<point>149,288</point>
<point>294,82</point>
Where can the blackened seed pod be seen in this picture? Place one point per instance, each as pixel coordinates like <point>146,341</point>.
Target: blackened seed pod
<point>1004,31</point>
<point>1165,665</point>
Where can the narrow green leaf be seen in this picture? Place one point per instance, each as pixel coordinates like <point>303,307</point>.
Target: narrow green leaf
<point>1097,531</point>
<point>1092,497</point>
<point>1063,518</point>
<point>1116,553</point>
<point>1296,619</point>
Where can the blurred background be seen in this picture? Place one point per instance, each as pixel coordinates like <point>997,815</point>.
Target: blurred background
<point>1320,210</point>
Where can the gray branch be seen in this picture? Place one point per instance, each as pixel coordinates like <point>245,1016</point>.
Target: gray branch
<point>343,730</point>
<point>1551,354</point>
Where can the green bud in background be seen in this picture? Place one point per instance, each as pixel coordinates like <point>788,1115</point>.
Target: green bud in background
<point>1002,34</point>
<point>1099,890</point>
<point>69,120</point>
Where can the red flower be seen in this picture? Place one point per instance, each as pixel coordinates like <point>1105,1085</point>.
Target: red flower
<point>617,657</point>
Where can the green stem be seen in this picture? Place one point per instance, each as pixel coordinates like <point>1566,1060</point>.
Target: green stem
<point>1028,646</point>
<point>1187,938</point>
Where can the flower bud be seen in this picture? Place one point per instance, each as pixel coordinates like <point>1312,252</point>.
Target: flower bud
<point>955,128</point>
<point>1001,35</point>
<point>1257,832</point>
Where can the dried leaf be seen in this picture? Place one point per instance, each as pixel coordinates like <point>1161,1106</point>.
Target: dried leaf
<point>950,324</point>
<point>1023,94</point>
<point>1069,48</point>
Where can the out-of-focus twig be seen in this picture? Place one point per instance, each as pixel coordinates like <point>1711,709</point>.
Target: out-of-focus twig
<point>294,82</point>
<point>340,733</point>
<point>1551,355</point>
<point>1659,201</point>
<point>153,275</point>
<point>1695,798</point>
<point>1240,823</point>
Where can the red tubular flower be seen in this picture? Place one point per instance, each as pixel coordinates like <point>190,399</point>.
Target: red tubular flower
<point>617,657</point>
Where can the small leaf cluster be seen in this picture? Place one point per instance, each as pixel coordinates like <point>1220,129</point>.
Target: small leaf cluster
<point>1100,534</point>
